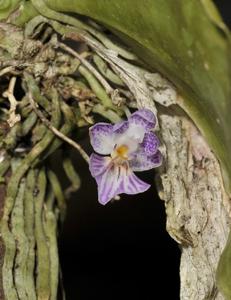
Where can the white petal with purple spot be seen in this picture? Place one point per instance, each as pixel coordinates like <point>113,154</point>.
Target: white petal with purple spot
<point>102,138</point>
<point>143,117</point>
<point>120,128</point>
<point>150,143</point>
<point>131,137</point>
<point>142,162</point>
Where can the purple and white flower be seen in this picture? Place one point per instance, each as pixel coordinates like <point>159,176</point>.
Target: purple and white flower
<point>124,147</point>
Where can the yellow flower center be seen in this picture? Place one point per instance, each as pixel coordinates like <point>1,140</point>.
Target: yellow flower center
<point>122,151</point>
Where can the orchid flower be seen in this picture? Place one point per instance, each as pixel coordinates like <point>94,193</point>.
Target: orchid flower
<point>127,147</point>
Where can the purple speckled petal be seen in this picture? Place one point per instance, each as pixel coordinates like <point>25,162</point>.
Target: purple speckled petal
<point>121,127</point>
<point>118,179</point>
<point>143,117</point>
<point>98,164</point>
<point>102,138</point>
<point>142,162</point>
<point>150,143</point>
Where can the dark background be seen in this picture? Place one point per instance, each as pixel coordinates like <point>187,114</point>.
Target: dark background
<point>121,250</point>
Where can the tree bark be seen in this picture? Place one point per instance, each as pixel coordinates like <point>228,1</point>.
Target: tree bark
<point>197,207</point>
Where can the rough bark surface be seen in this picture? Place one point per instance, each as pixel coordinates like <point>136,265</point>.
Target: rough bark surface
<point>196,206</point>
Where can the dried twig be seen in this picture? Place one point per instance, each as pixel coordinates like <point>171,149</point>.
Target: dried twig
<point>9,93</point>
<point>6,70</point>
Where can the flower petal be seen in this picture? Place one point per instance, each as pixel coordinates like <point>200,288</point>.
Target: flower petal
<point>128,134</point>
<point>118,179</point>
<point>131,184</point>
<point>102,138</point>
<point>144,118</point>
<point>150,143</point>
<point>108,183</point>
<point>121,127</point>
<point>98,164</point>
<point>142,162</point>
